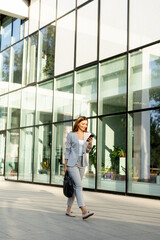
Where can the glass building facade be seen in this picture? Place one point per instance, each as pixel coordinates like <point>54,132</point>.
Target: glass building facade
<point>98,58</point>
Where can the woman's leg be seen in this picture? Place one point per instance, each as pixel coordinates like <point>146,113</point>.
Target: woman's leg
<point>77,175</point>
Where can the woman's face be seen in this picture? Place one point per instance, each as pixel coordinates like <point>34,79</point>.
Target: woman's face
<point>83,125</point>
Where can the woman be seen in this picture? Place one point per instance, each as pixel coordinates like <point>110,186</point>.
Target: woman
<point>78,146</point>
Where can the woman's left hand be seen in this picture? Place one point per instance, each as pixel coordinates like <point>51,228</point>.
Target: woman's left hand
<point>90,142</point>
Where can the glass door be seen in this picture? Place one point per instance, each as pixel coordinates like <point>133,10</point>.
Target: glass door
<point>2,152</point>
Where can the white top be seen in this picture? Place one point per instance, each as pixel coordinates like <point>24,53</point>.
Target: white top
<point>81,145</point>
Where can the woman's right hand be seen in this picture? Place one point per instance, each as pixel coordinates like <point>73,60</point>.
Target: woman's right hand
<point>65,168</point>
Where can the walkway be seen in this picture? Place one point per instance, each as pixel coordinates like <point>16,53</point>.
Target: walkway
<point>36,212</point>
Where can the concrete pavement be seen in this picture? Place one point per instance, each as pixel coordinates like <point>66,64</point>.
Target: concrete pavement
<point>36,212</point>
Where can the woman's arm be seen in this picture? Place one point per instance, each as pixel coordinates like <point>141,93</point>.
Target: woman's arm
<point>89,146</point>
<point>68,146</point>
<point>68,150</point>
<point>65,167</point>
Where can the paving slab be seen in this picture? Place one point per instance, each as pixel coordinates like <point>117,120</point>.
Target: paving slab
<point>36,212</point>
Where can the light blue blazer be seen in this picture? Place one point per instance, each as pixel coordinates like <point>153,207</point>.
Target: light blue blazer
<point>72,149</point>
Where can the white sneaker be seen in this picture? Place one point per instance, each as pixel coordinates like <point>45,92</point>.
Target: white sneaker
<point>70,214</point>
<point>87,214</point>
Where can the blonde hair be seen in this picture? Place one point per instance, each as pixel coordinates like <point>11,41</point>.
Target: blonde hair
<point>80,119</point>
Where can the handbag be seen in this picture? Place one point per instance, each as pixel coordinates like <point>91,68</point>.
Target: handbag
<point>68,185</point>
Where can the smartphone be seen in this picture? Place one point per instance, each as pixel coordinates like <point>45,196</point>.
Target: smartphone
<point>90,136</point>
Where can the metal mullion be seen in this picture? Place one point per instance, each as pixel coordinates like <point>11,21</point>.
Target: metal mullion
<point>98,84</point>
<point>5,153</point>
<point>64,74</point>
<point>85,3</point>
<point>74,74</point>
<point>52,132</point>
<point>86,65</point>
<point>127,98</point>
<point>113,57</point>
<point>35,132</point>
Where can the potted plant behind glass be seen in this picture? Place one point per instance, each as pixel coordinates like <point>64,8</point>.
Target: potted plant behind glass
<point>92,161</point>
<point>108,172</point>
<point>115,156</point>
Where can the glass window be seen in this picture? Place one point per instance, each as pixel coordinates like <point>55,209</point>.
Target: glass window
<point>113,28</point>
<point>2,153</point>
<point>44,102</point>
<point>144,84</point>
<point>87,33</point>
<point>4,71</point>
<point>43,154</point>
<point>17,62</point>
<point>144,22</point>
<point>48,12</point>
<point>3,111</point>
<point>90,170</point>
<point>14,109</point>
<point>65,6</point>
<point>65,35</point>
<point>113,80</point>
<point>34,16</point>
<point>144,153</point>
<point>60,132</point>
<point>28,106</point>
<point>33,53</point>
<point>16,30</point>
<point>6,32</point>
<point>26,154</point>
<point>86,92</point>
<point>63,98</point>
<point>112,153</point>
<point>47,52</point>
<point>12,154</point>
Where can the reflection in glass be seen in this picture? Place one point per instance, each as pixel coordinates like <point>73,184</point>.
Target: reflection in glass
<point>26,154</point>
<point>112,153</point>
<point>113,28</point>
<point>144,84</point>
<point>33,52</point>
<point>144,153</point>
<point>86,92</point>
<point>44,102</point>
<point>3,111</point>
<point>28,106</point>
<point>48,12</point>
<point>90,170</point>
<point>12,148</point>
<point>6,32</point>
<point>113,86</point>
<point>43,154</point>
<point>47,52</point>
<point>65,6</point>
<point>16,30</point>
<point>63,98</point>
<point>14,109</point>
<point>65,35</point>
<point>87,33</point>
<point>16,80</point>
<point>144,22</point>
<point>2,153</point>
<point>60,132</point>
<point>4,71</point>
